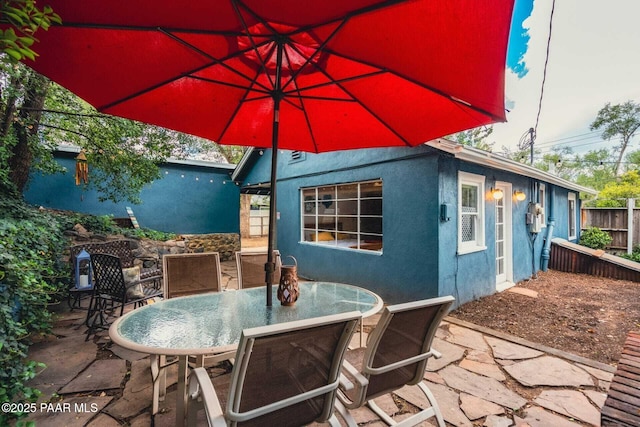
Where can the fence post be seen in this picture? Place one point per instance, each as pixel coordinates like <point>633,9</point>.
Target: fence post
<point>630,205</point>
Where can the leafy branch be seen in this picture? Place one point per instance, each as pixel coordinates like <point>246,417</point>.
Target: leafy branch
<point>24,19</point>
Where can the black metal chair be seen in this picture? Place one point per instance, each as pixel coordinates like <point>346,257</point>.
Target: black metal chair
<point>110,292</point>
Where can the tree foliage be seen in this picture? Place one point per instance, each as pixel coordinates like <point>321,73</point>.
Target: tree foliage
<point>620,120</point>
<point>615,193</point>
<point>37,116</point>
<point>476,138</point>
<point>25,20</point>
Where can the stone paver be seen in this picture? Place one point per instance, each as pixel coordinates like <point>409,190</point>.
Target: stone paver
<point>523,291</point>
<point>100,375</point>
<point>465,337</point>
<point>475,408</point>
<point>65,358</point>
<point>598,373</point>
<point>596,397</point>
<point>480,356</point>
<point>538,417</point>
<point>487,369</point>
<point>549,371</point>
<point>482,387</point>
<point>496,421</point>
<point>571,403</point>
<point>507,350</point>
<point>450,353</point>
<point>448,402</point>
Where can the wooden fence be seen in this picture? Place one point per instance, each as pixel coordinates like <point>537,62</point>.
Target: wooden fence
<point>615,221</point>
<point>573,258</point>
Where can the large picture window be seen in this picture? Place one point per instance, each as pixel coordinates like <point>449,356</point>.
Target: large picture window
<point>470,213</point>
<point>345,215</point>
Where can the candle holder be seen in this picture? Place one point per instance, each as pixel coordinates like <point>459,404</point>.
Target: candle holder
<point>288,289</point>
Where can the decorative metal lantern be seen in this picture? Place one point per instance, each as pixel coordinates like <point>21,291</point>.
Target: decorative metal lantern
<point>288,290</point>
<point>84,273</point>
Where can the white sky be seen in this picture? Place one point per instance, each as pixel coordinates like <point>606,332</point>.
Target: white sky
<point>594,59</point>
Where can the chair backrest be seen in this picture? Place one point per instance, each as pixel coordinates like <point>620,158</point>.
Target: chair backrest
<point>287,374</point>
<point>108,276</point>
<point>251,272</point>
<point>400,344</point>
<point>188,274</point>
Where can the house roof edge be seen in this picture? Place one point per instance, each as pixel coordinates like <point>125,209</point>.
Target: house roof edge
<point>474,155</point>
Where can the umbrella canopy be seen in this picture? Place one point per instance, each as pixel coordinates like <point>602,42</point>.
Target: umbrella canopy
<point>310,76</point>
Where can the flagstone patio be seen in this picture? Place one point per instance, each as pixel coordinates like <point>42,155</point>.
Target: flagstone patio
<point>484,378</point>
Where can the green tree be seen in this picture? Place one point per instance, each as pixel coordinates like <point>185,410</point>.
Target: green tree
<point>595,169</point>
<point>24,19</point>
<point>36,116</point>
<point>560,162</point>
<point>476,138</point>
<point>620,120</point>
<point>615,193</point>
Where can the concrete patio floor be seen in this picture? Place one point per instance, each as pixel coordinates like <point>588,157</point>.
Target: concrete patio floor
<point>485,378</point>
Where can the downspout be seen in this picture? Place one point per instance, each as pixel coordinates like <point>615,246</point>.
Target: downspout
<point>551,222</point>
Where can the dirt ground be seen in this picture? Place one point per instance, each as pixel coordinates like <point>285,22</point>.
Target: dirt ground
<point>581,314</point>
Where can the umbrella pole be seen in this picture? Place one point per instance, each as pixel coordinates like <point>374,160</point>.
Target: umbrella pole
<point>271,266</point>
<point>273,214</point>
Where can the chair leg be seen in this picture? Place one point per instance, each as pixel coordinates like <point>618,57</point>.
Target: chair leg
<point>432,400</point>
<point>344,413</point>
<point>416,419</point>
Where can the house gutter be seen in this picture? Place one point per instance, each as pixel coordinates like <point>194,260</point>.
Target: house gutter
<point>546,249</point>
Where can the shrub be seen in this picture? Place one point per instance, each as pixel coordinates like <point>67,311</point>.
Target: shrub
<point>634,255</point>
<point>595,238</point>
<point>31,277</point>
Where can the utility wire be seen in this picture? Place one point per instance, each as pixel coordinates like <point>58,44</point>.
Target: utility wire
<point>544,72</point>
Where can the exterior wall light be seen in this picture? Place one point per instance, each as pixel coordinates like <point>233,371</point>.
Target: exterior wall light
<point>497,193</point>
<point>519,195</point>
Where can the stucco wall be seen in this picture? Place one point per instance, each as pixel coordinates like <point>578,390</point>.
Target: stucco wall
<point>187,199</point>
<point>420,256</point>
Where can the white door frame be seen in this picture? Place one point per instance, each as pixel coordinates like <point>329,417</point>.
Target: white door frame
<point>504,280</point>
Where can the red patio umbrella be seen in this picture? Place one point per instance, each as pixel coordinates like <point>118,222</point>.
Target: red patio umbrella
<point>286,74</point>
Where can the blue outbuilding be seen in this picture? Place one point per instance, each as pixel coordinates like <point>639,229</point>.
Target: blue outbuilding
<point>409,223</point>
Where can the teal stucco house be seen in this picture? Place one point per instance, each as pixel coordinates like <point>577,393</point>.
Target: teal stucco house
<point>409,223</point>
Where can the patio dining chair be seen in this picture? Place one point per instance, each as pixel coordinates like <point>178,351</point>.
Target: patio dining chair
<point>186,274</point>
<point>396,355</point>
<point>111,292</point>
<point>285,375</point>
<point>251,272</point>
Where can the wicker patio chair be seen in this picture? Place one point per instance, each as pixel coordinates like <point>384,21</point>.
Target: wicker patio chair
<point>396,355</point>
<point>110,294</point>
<point>251,273</point>
<point>285,375</point>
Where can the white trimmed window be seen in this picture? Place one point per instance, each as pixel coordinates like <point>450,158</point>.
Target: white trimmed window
<point>542,201</point>
<point>572,216</point>
<point>345,216</point>
<point>470,213</point>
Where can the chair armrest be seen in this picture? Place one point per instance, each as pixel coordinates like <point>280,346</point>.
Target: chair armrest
<point>358,377</point>
<point>200,387</point>
<point>345,384</point>
<point>436,353</point>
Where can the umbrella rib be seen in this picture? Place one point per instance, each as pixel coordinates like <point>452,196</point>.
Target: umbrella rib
<point>263,65</point>
<point>220,82</point>
<point>213,59</point>
<point>96,26</point>
<point>452,98</point>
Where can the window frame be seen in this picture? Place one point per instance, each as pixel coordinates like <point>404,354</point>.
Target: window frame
<point>478,243</point>
<point>542,200</point>
<point>359,208</point>
<point>572,216</point>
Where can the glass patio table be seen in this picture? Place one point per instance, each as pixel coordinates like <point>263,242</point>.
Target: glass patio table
<point>211,323</point>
